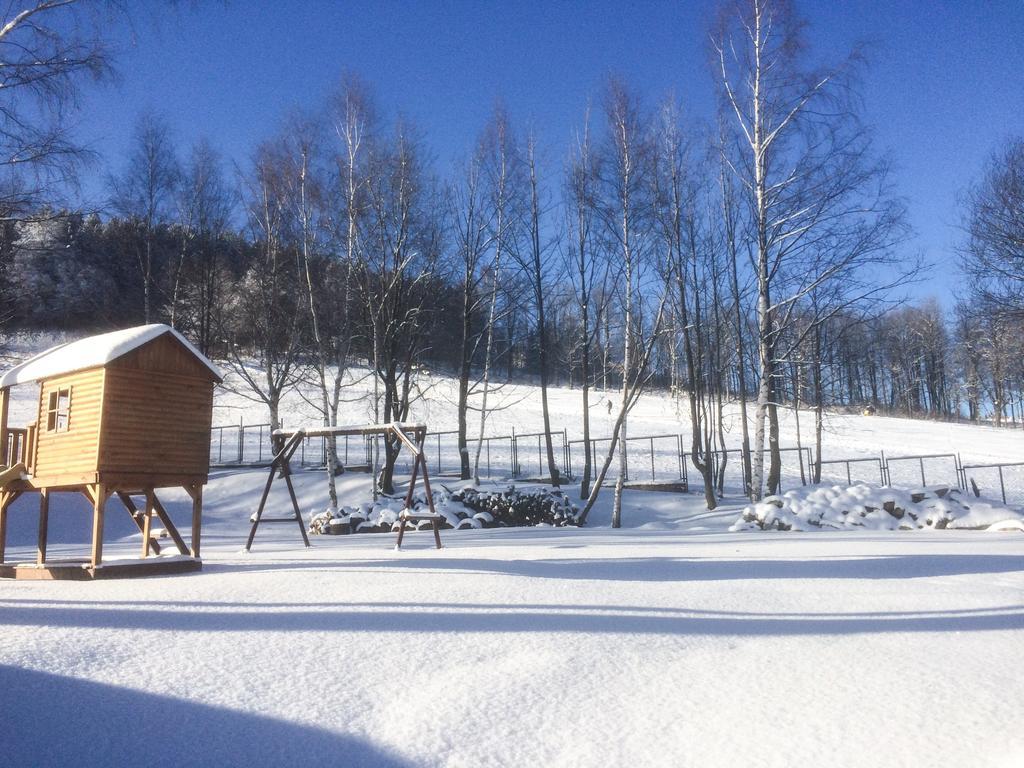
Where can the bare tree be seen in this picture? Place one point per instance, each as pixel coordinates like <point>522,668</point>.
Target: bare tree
<point>685,247</point>
<point>265,332</point>
<point>532,253</point>
<point>629,222</point>
<point>47,48</point>
<point>205,206</point>
<point>993,255</point>
<point>397,277</point>
<point>472,229</point>
<point>144,192</point>
<point>588,268</point>
<point>502,167</point>
<point>803,164</point>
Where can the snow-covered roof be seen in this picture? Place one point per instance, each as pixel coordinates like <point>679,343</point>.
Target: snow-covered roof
<point>94,351</point>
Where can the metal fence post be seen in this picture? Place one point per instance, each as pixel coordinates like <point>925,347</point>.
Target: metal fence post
<point>515,454</point>
<point>565,453</point>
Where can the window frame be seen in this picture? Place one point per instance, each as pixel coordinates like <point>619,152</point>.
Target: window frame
<point>58,419</point>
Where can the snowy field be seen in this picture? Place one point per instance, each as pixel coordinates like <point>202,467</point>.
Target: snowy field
<point>669,642</point>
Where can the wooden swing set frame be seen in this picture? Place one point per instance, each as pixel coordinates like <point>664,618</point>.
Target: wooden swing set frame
<point>287,442</point>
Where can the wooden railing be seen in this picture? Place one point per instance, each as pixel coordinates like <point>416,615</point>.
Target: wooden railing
<point>21,443</point>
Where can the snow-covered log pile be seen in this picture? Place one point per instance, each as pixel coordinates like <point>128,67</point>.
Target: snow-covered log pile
<point>467,508</point>
<point>873,508</point>
<point>514,508</point>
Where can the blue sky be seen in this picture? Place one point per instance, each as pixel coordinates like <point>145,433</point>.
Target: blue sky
<point>945,83</point>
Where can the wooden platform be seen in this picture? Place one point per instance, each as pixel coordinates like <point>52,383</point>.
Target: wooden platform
<point>81,570</point>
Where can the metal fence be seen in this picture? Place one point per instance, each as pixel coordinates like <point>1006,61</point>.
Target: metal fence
<point>869,469</point>
<point>241,444</point>
<point>658,459</point>
<point>922,470</point>
<point>795,468</point>
<point>985,479</point>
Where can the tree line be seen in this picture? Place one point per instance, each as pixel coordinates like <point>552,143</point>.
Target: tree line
<point>755,260</point>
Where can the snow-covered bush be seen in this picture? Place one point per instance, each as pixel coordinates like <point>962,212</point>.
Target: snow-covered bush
<point>469,507</point>
<point>872,508</point>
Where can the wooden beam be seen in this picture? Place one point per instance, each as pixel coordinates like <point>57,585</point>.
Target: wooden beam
<point>5,502</point>
<point>44,523</point>
<point>5,397</point>
<point>168,525</point>
<point>295,506</point>
<point>280,465</point>
<point>147,524</point>
<point>137,518</point>
<point>196,492</point>
<point>100,496</point>
<point>341,431</point>
<point>400,434</point>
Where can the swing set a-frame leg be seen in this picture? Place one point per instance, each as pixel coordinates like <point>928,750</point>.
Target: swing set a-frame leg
<point>282,464</point>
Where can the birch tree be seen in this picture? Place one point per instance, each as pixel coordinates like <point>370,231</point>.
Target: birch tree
<point>500,162</point>
<point>532,254</point>
<point>588,269</point>
<point>627,217</point>
<point>472,228</point>
<point>801,159</point>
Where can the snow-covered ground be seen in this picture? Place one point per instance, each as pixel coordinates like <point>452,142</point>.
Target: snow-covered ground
<point>669,642</point>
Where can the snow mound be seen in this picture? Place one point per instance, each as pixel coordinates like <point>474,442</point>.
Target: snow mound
<point>877,509</point>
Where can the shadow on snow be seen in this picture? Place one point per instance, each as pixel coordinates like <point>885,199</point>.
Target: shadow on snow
<point>51,720</point>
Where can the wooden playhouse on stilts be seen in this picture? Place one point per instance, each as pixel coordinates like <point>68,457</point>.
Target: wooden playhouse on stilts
<point>120,416</point>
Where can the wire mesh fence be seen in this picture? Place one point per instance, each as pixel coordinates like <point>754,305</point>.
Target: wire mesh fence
<point>869,469</point>
<point>923,470</point>
<point>728,468</point>
<point>240,444</point>
<point>653,458</point>
<point>1002,481</point>
<point>656,459</point>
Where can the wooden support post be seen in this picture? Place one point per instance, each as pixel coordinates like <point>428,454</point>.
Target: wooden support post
<point>5,502</point>
<point>100,499</point>
<point>137,518</point>
<point>4,407</point>
<point>196,492</point>
<point>44,522</point>
<point>169,525</point>
<point>147,523</point>
<point>430,504</point>
<point>419,461</point>
<point>295,506</point>
<point>281,464</point>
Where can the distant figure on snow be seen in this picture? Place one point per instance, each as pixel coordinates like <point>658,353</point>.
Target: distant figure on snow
<point>609,407</point>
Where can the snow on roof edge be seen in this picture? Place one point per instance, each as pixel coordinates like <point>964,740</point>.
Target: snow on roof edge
<point>95,351</point>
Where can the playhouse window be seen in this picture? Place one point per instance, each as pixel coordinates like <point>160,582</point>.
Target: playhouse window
<point>57,410</point>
